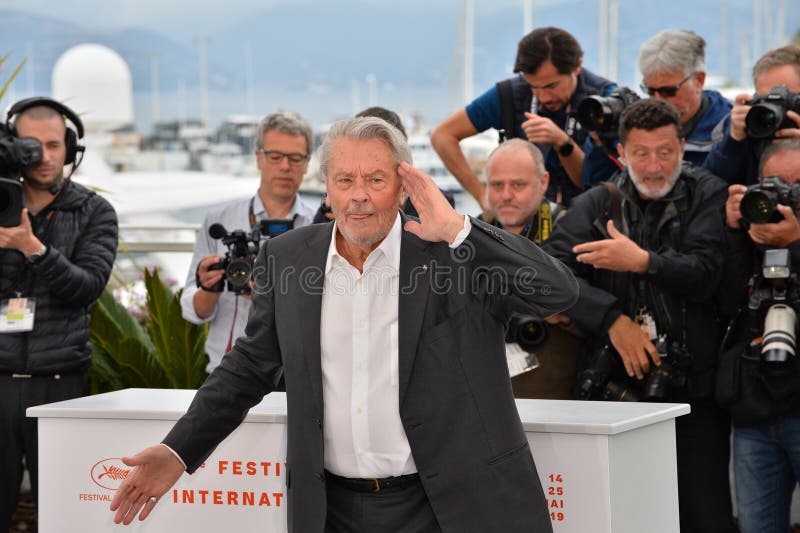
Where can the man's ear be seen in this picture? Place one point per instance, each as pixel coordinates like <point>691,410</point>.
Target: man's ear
<point>621,153</point>
<point>545,180</point>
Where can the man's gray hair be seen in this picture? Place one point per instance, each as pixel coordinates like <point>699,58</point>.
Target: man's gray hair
<point>363,129</point>
<point>791,144</point>
<point>673,51</point>
<point>519,145</point>
<point>285,121</point>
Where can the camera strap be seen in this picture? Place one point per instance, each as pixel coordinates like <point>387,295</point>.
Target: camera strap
<point>251,212</point>
<point>233,322</point>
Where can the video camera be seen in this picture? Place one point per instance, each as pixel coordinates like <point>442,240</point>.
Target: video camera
<point>601,114</point>
<point>242,251</point>
<point>768,112</point>
<point>15,154</point>
<point>604,378</point>
<point>775,296</point>
<point>759,204</point>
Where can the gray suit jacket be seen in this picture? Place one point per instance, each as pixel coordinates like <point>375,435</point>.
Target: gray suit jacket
<point>456,403</point>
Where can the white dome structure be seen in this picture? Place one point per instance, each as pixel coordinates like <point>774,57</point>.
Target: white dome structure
<point>95,82</point>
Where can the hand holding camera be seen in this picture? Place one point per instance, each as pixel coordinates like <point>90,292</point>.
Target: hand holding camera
<point>633,346</point>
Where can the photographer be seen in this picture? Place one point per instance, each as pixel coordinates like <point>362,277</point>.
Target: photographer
<point>283,141</point>
<point>736,157</point>
<point>762,392</point>
<point>673,68</point>
<point>53,265</point>
<point>648,254</point>
<point>516,182</point>
<point>537,105</point>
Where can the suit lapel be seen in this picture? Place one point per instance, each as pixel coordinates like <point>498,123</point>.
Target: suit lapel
<point>415,286</point>
<point>308,305</point>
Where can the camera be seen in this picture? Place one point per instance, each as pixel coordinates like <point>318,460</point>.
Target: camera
<point>759,203</point>
<point>774,294</point>
<point>601,113</point>
<point>595,383</point>
<point>242,251</point>
<point>526,331</point>
<point>671,373</point>
<point>768,112</point>
<point>15,154</point>
<point>604,378</point>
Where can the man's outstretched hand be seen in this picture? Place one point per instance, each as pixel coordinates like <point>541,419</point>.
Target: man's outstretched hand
<point>438,221</point>
<point>156,470</point>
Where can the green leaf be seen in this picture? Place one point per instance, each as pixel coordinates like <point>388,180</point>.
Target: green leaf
<point>179,345</point>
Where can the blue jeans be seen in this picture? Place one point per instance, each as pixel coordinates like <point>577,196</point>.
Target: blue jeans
<point>766,468</point>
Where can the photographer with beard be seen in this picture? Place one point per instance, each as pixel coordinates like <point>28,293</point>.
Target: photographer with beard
<point>763,393</point>
<point>53,266</point>
<point>648,254</point>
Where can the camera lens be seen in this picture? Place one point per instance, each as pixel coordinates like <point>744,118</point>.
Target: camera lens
<point>778,345</point>
<point>238,274</point>
<point>530,334</point>
<point>758,207</point>
<point>763,120</point>
<point>593,113</point>
<point>614,392</point>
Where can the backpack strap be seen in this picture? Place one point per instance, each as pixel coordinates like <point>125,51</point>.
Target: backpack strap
<point>506,94</point>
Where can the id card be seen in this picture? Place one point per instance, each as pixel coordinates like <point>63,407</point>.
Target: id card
<point>16,315</point>
<point>519,361</point>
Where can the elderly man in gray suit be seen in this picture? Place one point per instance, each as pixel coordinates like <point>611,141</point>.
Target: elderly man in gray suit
<point>388,333</point>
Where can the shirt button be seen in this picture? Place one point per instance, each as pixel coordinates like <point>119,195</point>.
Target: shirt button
<point>359,323</point>
<point>359,410</point>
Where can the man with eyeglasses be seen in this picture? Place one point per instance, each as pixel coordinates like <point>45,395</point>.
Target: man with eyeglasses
<point>673,69</point>
<point>538,105</point>
<point>648,255</point>
<point>737,156</point>
<point>283,141</point>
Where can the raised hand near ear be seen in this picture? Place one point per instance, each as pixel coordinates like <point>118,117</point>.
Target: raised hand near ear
<point>618,253</point>
<point>438,221</point>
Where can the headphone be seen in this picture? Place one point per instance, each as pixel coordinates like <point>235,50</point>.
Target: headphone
<point>72,135</point>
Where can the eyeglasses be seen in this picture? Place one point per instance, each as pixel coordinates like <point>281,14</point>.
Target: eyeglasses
<point>276,156</point>
<point>667,91</point>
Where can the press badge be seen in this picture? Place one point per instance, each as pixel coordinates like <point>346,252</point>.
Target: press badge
<point>519,361</point>
<point>16,315</point>
<point>648,324</point>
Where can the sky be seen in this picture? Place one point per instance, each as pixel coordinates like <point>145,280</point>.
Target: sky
<point>183,19</point>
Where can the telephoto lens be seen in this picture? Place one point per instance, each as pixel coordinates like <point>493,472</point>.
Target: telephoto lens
<point>778,343</point>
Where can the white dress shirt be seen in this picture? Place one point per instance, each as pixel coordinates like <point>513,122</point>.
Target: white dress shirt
<point>364,437</point>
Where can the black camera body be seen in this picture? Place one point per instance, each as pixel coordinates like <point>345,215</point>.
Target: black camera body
<point>759,204</point>
<point>604,378</point>
<point>601,114</point>
<point>774,300</point>
<point>242,251</point>
<point>15,154</point>
<point>528,332</point>
<point>768,112</point>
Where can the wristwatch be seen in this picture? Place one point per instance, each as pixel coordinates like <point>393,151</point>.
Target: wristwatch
<point>566,149</point>
<point>36,256</point>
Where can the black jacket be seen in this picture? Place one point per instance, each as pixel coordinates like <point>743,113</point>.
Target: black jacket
<point>754,391</point>
<point>685,237</point>
<point>80,231</point>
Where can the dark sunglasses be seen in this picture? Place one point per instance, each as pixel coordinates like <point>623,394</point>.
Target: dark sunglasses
<point>667,91</point>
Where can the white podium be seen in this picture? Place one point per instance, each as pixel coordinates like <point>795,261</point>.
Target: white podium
<point>605,466</point>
